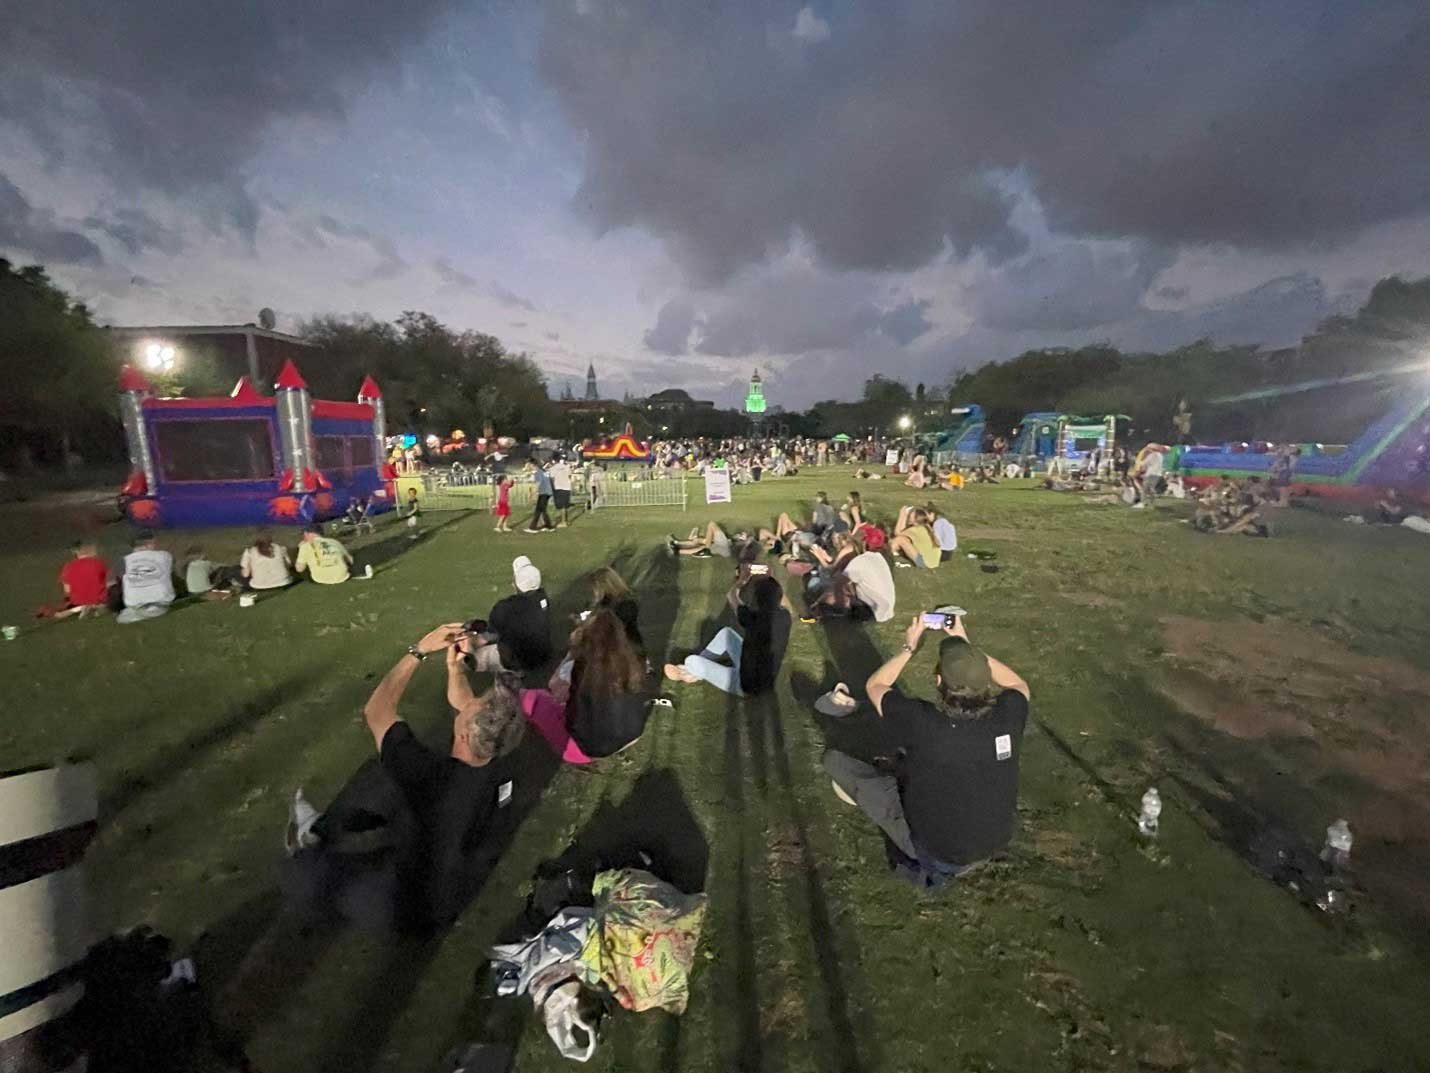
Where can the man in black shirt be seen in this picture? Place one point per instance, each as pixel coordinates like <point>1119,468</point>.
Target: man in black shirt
<point>455,798</point>
<point>950,802</point>
<point>520,625</point>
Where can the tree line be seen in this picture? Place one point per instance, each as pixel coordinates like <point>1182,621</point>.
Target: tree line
<point>58,402</point>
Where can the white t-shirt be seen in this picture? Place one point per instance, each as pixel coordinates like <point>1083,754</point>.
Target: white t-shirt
<point>560,474</point>
<point>874,583</point>
<point>266,571</point>
<point>945,534</point>
<point>148,577</point>
<point>1153,464</point>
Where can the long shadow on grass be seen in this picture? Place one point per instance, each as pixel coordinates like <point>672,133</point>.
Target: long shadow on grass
<point>171,760</point>
<point>399,541</point>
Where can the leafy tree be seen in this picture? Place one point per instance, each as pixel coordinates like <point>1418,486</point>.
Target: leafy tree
<point>59,395</point>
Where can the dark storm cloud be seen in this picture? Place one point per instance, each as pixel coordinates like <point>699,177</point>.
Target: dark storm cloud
<point>789,309</point>
<point>136,231</point>
<point>671,332</point>
<point>726,129</point>
<point>38,233</point>
<point>1070,286</point>
<point>176,94</point>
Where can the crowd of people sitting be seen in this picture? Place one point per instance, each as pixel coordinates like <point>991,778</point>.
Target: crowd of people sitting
<point>148,580</point>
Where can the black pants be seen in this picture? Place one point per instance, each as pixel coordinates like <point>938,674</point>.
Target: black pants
<point>540,514</point>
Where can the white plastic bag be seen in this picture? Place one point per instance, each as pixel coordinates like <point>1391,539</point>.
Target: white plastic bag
<point>574,1037</point>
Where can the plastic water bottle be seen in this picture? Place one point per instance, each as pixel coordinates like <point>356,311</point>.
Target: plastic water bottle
<point>1151,810</point>
<point>1337,851</point>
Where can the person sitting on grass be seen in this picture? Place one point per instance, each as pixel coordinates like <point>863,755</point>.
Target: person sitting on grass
<point>944,534</point>
<point>755,649</point>
<point>949,803</point>
<point>147,581</point>
<point>322,558</point>
<point>824,517</point>
<point>203,577</point>
<point>914,539</point>
<point>264,564</point>
<point>714,542</point>
<point>610,698</point>
<point>517,633</point>
<point>455,798</point>
<point>84,580</point>
<point>1389,508</point>
<point>610,592</point>
<point>853,511</point>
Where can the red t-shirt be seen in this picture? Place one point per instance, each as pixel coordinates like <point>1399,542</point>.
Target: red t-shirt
<point>873,536</point>
<point>88,581</point>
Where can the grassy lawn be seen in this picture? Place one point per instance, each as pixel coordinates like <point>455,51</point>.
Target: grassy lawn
<point>1261,685</point>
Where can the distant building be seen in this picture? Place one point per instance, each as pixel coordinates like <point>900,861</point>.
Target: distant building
<point>592,394</point>
<point>674,400</point>
<point>240,349</point>
<point>755,400</point>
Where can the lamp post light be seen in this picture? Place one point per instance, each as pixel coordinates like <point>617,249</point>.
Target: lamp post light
<point>159,357</point>
<point>906,422</point>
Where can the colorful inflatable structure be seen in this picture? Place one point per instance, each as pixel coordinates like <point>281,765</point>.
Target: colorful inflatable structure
<point>1040,435</point>
<point>622,448</point>
<point>1394,452</point>
<point>252,459</point>
<point>964,435</point>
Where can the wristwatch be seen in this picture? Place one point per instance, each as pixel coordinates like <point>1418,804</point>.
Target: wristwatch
<point>908,648</point>
<point>416,653</point>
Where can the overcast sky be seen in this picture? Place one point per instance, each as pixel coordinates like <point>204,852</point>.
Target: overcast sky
<point>680,192</point>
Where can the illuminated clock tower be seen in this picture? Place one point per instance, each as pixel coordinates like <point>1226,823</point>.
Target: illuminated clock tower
<point>755,401</point>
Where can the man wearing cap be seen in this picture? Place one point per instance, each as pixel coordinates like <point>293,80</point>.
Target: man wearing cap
<point>949,803</point>
<point>518,636</point>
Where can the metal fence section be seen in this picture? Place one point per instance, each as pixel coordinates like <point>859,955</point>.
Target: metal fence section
<point>442,490</point>
<point>639,492</point>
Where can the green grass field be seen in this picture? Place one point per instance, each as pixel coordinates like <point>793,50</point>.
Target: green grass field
<point>1259,684</point>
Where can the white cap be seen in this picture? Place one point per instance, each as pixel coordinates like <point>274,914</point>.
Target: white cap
<point>526,576</point>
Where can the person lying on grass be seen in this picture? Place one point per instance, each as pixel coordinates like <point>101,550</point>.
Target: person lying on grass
<point>914,538</point>
<point>949,802</point>
<point>454,797</point>
<point>754,650</point>
<point>714,541</point>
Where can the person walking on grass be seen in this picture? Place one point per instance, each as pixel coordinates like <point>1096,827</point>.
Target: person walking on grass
<point>949,802</point>
<point>502,510</point>
<point>561,490</point>
<point>540,516</point>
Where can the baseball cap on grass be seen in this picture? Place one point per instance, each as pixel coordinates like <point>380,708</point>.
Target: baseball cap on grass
<point>963,667</point>
<point>526,576</point>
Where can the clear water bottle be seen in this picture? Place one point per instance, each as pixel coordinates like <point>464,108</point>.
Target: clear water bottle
<point>1151,810</point>
<point>1337,851</point>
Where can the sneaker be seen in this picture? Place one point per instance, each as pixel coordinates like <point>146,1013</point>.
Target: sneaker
<point>1139,506</point>
<point>529,529</point>
<point>561,525</point>
<point>301,817</point>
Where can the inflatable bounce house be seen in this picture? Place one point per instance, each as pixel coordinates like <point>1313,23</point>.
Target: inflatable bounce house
<point>964,435</point>
<point>1394,452</point>
<point>1039,435</point>
<point>252,459</point>
<point>622,448</point>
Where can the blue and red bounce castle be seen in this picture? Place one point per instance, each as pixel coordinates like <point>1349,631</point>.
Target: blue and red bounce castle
<point>251,459</point>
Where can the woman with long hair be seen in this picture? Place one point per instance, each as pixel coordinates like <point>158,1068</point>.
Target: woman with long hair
<point>610,697</point>
<point>610,592</point>
<point>264,564</point>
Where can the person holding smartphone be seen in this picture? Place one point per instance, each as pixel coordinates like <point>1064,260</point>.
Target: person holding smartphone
<point>949,802</point>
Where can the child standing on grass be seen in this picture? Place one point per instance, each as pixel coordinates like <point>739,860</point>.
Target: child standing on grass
<point>503,508</point>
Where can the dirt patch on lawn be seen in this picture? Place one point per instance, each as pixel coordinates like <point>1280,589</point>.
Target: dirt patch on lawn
<point>973,532</point>
<point>1090,599</point>
<point>1370,714</point>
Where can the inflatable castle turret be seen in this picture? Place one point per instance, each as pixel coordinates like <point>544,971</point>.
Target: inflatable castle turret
<point>371,395</point>
<point>295,428</point>
<point>133,390</point>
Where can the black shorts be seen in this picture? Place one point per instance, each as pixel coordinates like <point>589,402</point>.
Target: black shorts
<point>562,498</point>
<point>945,555</point>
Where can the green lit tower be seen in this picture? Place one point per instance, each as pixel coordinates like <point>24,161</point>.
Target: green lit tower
<point>755,400</point>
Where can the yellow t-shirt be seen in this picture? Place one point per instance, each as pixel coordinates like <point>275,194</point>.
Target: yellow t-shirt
<point>325,560</point>
<point>955,480</point>
<point>925,545</point>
